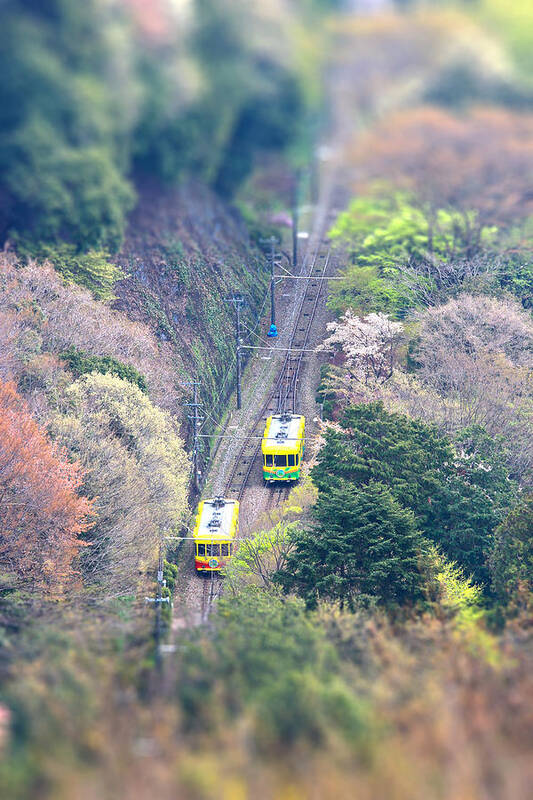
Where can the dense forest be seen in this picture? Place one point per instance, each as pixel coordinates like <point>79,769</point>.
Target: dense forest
<point>373,636</point>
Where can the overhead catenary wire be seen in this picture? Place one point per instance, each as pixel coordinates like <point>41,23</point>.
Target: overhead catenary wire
<point>257,335</point>
<point>250,332</point>
<point>208,413</point>
<point>256,321</point>
<point>230,369</point>
<point>312,277</point>
<point>286,349</point>
<point>258,436</point>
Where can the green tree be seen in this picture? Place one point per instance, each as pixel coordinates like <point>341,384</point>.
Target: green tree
<point>80,363</point>
<point>458,494</point>
<point>93,269</point>
<point>250,97</point>
<point>62,145</point>
<point>511,560</point>
<point>398,249</point>
<point>137,470</point>
<point>391,231</point>
<point>364,546</point>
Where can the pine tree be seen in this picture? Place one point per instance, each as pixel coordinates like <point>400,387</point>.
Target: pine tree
<point>404,454</point>
<point>363,545</point>
<point>511,560</point>
<point>458,491</point>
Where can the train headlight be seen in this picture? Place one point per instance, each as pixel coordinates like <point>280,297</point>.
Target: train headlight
<point>213,563</point>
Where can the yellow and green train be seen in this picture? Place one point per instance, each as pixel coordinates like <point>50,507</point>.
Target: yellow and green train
<point>283,447</point>
<point>215,531</point>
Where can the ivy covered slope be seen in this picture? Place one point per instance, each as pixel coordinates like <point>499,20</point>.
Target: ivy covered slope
<point>185,252</point>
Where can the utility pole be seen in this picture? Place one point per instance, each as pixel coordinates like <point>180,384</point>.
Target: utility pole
<point>295,202</point>
<point>195,417</point>
<point>313,181</point>
<point>237,300</point>
<point>272,257</point>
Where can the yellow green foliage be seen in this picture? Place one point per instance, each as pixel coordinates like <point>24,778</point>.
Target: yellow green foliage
<point>93,270</point>
<point>136,468</point>
<point>512,22</point>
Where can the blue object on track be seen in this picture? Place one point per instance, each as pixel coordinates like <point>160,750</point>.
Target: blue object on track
<point>273,331</point>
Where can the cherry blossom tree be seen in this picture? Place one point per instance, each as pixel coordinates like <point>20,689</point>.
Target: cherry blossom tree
<point>369,343</point>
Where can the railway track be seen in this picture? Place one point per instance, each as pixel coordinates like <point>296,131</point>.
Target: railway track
<point>284,395</point>
<point>211,589</point>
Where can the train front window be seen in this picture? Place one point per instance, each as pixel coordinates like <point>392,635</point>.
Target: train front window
<point>224,549</point>
<point>280,461</point>
<point>292,460</point>
<point>269,460</point>
<point>201,549</point>
<point>213,549</point>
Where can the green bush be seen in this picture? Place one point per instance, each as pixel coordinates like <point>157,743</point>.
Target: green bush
<point>92,270</point>
<point>384,235</point>
<point>170,573</point>
<point>516,276</point>
<point>62,172</point>
<point>81,363</point>
<point>364,290</point>
<point>265,657</point>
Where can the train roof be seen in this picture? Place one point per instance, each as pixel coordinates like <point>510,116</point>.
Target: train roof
<point>283,433</point>
<point>216,519</point>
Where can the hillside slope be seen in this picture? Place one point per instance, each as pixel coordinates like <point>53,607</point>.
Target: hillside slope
<point>185,251</point>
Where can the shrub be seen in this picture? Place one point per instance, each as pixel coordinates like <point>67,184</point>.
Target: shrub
<point>266,659</point>
<point>511,560</point>
<point>93,270</point>
<point>136,468</point>
<point>80,363</point>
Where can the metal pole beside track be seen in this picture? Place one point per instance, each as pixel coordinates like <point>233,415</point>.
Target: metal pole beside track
<point>295,201</point>
<point>238,349</point>
<point>272,283</point>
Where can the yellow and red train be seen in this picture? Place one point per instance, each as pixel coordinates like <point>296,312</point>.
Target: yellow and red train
<point>217,521</point>
<point>283,447</point>
<point>215,530</point>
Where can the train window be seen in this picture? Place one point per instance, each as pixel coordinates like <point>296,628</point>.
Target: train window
<point>292,461</point>
<point>213,549</point>
<point>201,549</point>
<point>224,549</point>
<point>280,461</point>
<point>269,460</point>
